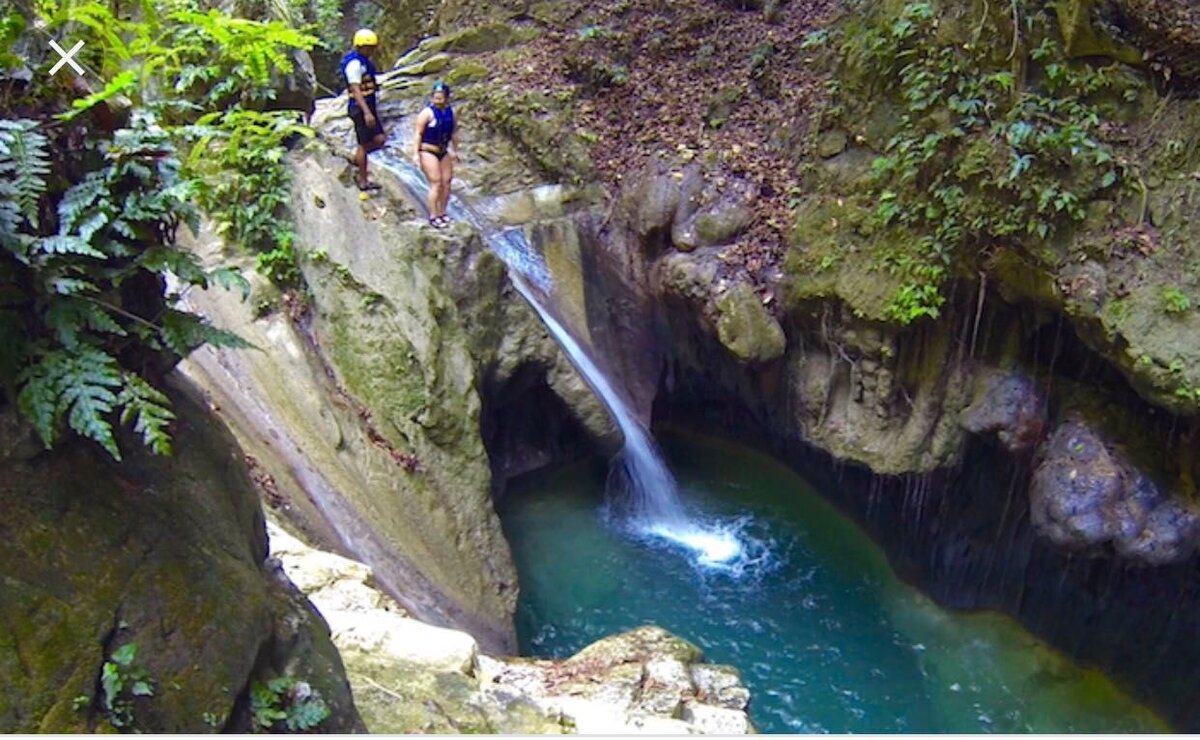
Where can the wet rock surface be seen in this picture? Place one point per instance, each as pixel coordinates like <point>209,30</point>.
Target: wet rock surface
<point>412,677</point>
<point>1084,495</point>
<point>1010,406</point>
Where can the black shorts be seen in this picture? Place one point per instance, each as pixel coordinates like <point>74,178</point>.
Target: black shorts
<point>364,134</point>
<point>440,153</point>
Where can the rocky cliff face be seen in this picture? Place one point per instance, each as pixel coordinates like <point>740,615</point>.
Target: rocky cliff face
<point>162,554</point>
<point>370,402</point>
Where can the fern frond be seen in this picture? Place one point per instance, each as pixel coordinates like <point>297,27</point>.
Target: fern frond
<point>78,385</point>
<point>118,85</point>
<point>88,403</point>
<point>68,317</point>
<point>150,411</point>
<point>79,200</point>
<point>67,244</point>
<point>25,162</point>
<point>184,264</point>
<point>72,286</point>
<point>230,278</point>
<point>182,332</point>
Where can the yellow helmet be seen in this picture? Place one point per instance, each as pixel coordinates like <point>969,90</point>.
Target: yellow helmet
<point>365,37</point>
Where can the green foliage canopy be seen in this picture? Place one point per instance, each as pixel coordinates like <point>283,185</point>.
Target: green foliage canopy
<point>92,193</point>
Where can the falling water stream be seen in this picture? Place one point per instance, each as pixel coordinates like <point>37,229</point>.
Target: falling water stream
<point>644,491</point>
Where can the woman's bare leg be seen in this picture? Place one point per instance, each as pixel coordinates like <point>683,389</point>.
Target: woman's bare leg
<point>447,172</point>
<point>433,173</point>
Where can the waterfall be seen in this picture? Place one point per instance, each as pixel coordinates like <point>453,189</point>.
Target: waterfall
<point>641,487</point>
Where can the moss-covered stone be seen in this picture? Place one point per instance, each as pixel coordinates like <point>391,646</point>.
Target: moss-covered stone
<point>542,129</point>
<point>746,328</point>
<point>163,553</point>
<point>1084,39</point>
<point>721,222</point>
<point>425,66</point>
<point>831,143</point>
<point>836,255</point>
<point>464,72</point>
<point>488,37</point>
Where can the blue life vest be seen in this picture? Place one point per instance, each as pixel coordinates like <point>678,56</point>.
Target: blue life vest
<point>368,80</point>
<point>438,131</point>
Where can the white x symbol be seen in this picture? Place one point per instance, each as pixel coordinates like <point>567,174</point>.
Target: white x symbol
<point>66,57</point>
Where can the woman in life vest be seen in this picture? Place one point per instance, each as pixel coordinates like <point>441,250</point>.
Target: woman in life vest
<point>362,106</point>
<point>436,133</point>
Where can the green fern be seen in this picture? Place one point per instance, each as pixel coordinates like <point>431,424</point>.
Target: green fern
<point>24,164</point>
<point>183,264</point>
<point>230,278</point>
<point>80,385</point>
<point>182,332</point>
<point>307,714</point>
<point>70,317</point>
<point>86,237</point>
<point>68,244</point>
<point>149,410</point>
<point>24,158</point>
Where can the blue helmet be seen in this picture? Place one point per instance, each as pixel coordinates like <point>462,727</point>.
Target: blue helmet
<point>440,86</point>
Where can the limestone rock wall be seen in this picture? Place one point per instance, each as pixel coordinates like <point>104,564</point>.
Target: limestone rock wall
<point>376,387</point>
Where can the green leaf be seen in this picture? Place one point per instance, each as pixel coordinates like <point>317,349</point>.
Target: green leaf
<point>24,163</point>
<point>71,286</point>
<point>76,385</point>
<point>230,278</point>
<point>150,411</point>
<point>125,655</point>
<point>307,714</point>
<point>111,684</point>
<point>68,244</point>
<point>118,85</point>
<point>184,265</point>
<point>182,332</point>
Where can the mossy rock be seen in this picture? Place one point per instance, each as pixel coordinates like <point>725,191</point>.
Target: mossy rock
<point>454,15</point>
<point>745,327</point>
<point>831,143</point>
<point>162,553</point>
<point>402,698</point>
<point>488,37</point>
<point>403,25</point>
<point>634,646</point>
<point>542,129</point>
<point>721,222</point>
<point>835,254</point>
<point>465,72</point>
<point>1084,38</point>
<point>426,66</point>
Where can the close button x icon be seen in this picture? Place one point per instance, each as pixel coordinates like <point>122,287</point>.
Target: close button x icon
<point>66,57</point>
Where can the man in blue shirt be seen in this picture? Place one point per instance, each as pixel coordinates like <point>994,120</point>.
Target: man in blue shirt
<point>360,72</point>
